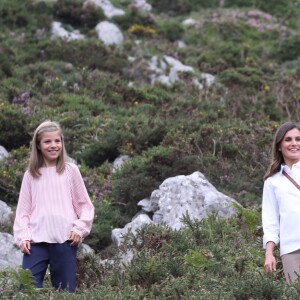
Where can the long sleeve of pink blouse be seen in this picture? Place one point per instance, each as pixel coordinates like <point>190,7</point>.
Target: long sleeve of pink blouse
<point>52,205</point>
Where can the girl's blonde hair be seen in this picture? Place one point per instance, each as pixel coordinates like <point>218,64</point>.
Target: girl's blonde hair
<point>36,159</point>
<point>277,157</point>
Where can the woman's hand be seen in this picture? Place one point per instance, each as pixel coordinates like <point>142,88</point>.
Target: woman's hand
<point>25,247</point>
<point>74,238</point>
<point>270,262</point>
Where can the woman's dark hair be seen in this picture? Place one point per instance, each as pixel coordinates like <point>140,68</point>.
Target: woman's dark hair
<point>277,158</point>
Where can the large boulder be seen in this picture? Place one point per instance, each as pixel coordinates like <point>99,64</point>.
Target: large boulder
<point>10,254</point>
<point>193,195</point>
<point>167,71</point>
<point>58,31</point>
<point>109,33</point>
<point>133,226</point>
<point>178,196</point>
<point>5,212</point>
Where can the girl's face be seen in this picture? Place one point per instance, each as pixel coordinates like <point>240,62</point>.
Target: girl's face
<point>290,147</point>
<point>51,147</point>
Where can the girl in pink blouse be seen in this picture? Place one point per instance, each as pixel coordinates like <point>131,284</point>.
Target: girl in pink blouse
<point>54,210</point>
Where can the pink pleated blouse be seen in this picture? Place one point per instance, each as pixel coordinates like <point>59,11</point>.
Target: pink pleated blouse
<point>53,205</point>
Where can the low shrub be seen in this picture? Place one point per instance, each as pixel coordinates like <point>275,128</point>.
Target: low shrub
<point>90,54</point>
<point>242,77</point>
<point>129,19</point>
<point>107,217</point>
<point>14,13</point>
<point>11,280</point>
<point>12,170</point>
<point>77,14</point>
<point>13,126</point>
<point>180,7</point>
<point>19,14</point>
<point>141,175</point>
<point>288,48</point>
<point>88,272</point>
<point>278,8</point>
<point>141,31</point>
<point>170,30</point>
<point>6,68</point>
<point>130,132</point>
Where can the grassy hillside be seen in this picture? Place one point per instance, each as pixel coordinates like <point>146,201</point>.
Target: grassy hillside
<point>224,131</point>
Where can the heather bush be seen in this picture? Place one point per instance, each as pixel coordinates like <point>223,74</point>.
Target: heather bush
<point>170,30</point>
<point>242,77</point>
<point>141,175</point>
<point>13,126</point>
<point>11,280</point>
<point>6,66</point>
<point>180,7</point>
<point>12,169</point>
<point>46,81</point>
<point>78,14</point>
<point>288,10</point>
<point>130,18</point>
<point>90,54</point>
<point>14,13</point>
<point>130,132</point>
<point>230,40</point>
<point>107,217</point>
<point>19,14</point>
<point>11,88</point>
<point>288,48</point>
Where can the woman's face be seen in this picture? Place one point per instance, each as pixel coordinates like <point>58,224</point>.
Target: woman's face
<point>290,147</point>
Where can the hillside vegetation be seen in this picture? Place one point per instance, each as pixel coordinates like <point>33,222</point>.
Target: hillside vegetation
<point>224,131</point>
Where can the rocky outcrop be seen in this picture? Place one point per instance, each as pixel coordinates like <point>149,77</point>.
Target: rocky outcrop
<point>58,31</point>
<point>3,152</point>
<point>177,196</point>
<point>107,7</point>
<point>5,212</point>
<point>109,33</point>
<point>10,254</point>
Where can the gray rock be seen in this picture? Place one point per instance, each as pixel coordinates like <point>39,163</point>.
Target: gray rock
<point>10,254</point>
<point>84,249</point>
<point>3,153</point>
<point>108,9</point>
<point>178,196</point>
<point>119,161</point>
<point>141,7</point>
<point>192,195</point>
<point>5,212</point>
<point>168,69</point>
<point>138,222</point>
<point>109,33</point>
<point>58,31</point>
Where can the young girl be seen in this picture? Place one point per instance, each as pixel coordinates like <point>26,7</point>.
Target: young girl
<point>54,210</point>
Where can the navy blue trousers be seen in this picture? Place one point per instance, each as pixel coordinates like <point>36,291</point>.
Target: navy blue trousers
<point>62,261</point>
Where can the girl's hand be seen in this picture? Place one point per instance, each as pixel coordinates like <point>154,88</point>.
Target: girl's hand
<point>25,247</point>
<point>270,262</point>
<point>74,238</point>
